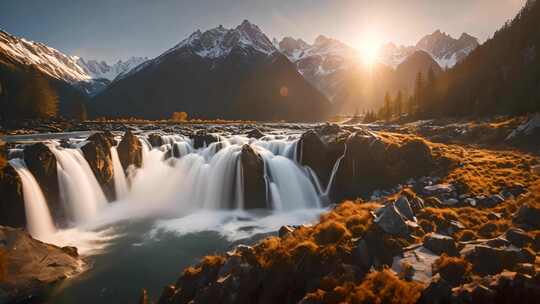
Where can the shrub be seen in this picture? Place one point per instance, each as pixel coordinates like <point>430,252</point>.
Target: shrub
<point>330,232</point>
<point>385,287</point>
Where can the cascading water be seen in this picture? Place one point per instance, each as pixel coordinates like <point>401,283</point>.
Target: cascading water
<point>81,193</point>
<point>38,217</point>
<point>120,181</point>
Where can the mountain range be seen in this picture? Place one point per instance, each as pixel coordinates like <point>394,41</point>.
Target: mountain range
<point>231,62</point>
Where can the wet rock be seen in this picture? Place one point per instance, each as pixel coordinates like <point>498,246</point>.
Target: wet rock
<point>528,216</point>
<point>253,179</point>
<point>440,244</point>
<point>11,199</point>
<point>311,152</point>
<point>42,163</point>
<point>155,140</point>
<point>255,133</point>
<point>130,151</point>
<point>203,139</point>
<point>98,154</point>
<point>518,237</point>
<point>32,267</point>
<point>285,230</point>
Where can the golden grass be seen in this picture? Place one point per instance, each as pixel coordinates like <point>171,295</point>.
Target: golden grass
<point>454,270</point>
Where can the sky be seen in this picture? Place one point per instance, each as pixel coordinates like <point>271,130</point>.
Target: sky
<point>117,29</point>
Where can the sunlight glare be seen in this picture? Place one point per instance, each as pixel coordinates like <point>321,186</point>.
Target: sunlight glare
<point>369,48</point>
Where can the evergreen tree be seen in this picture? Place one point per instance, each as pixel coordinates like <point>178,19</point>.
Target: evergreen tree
<point>387,107</point>
<point>37,99</point>
<point>79,111</point>
<point>419,92</point>
<point>398,103</point>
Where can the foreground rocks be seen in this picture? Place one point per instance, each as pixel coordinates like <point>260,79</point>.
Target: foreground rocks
<point>11,198</point>
<point>28,268</point>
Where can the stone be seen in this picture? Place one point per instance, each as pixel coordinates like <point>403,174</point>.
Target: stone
<point>130,151</point>
<point>420,259</point>
<point>253,179</point>
<point>155,140</point>
<point>391,221</point>
<point>438,291</point>
<point>489,260</point>
<point>518,237</point>
<point>255,133</point>
<point>12,212</point>
<point>285,230</point>
<point>528,216</point>
<point>32,267</point>
<point>491,201</point>
<point>97,152</point>
<point>404,208</point>
<point>440,244</point>
<point>203,139</point>
<point>438,189</point>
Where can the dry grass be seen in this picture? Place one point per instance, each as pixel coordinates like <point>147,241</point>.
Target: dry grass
<point>455,270</point>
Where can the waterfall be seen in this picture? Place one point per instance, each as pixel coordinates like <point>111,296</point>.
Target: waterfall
<point>81,193</point>
<point>120,181</point>
<point>38,217</point>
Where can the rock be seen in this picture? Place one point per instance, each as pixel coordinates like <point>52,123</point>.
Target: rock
<point>32,266</point>
<point>253,179</point>
<point>98,154</point>
<point>11,199</point>
<point>470,201</point>
<point>130,151</point>
<point>311,152</point>
<point>285,230</point>
<point>518,237</point>
<point>392,221</point>
<point>155,140</point>
<point>202,139</point>
<point>528,216</point>
<point>42,163</point>
<point>438,189</point>
<point>491,201</point>
<point>404,208</point>
<point>420,259</point>
<point>490,260</point>
<point>438,291</point>
<point>255,133</point>
<point>440,244</point>
<point>450,202</point>
<point>515,190</point>
<point>70,250</point>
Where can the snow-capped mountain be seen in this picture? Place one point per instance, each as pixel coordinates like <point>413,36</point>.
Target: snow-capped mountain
<point>234,73</point>
<point>101,69</point>
<point>444,49</point>
<point>49,60</point>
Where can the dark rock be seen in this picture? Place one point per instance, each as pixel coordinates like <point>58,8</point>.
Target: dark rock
<point>404,208</point>
<point>528,216</point>
<point>255,133</point>
<point>438,291</point>
<point>11,199</point>
<point>130,151</point>
<point>98,154</point>
<point>440,244</point>
<point>32,267</point>
<point>311,152</point>
<point>285,230</point>
<point>490,260</point>
<point>518,237</point>
<point>42,163</point>
<point>491,201</point>
<point>72,251</point>
<point>203,139</point>
<point>155,140</point>
<point>253,179</point>
<point>328,128</point>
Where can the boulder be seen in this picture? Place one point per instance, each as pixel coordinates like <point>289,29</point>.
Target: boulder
<point>31,267</point>
<point>285,230</point>
<point>438,291</point>
<point>41,162</point>
<point>255,133</point>
<point>202,139</point>
<point>155,140</point>
<point>490,201</point>
<point>253,179</point>
<point>11,199</point>
<point>440,244</point>
<point>311,152</point>
<point>490,260</point>
<point>420,261</point>
<point>528,216</point>
<point>518,237</point>
<point>97,152</point>
<point>130,151</point>
<point>395,219</point>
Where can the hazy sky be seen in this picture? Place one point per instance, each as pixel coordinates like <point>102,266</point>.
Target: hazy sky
<point>113,29</point>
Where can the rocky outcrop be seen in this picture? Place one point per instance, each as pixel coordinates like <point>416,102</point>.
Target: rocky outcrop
<point>42,164</point>
<point>253,179</point>
<point>203,139</point>
<point>255,133</point>
<point>371,161</point>
<point>98,154</point>
<point>528,216</point>
<point>130,151</point>
<point>11,198</point>
<point>28,268</point>
<point>155,140</point>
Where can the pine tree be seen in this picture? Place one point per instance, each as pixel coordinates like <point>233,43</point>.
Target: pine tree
<point>37,99</point>
<point>79,111</point>
<point>398,103</point>
<point>387,107</point>
<point>419,92</point>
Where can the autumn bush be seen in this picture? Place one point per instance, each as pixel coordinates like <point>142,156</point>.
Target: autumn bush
<point>454,270</point>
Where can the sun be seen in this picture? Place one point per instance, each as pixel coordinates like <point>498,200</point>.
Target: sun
<point>369,47</point>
